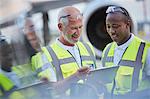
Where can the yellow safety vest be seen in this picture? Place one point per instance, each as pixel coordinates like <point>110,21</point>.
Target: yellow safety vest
<point>130,76</point>
<point>7,87</point>
<point>5,84</point>
<point>63,62</point>
<point>25,74</point>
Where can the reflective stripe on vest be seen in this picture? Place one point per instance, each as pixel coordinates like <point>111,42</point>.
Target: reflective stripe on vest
<point>59,62</point>
<point>129,63</point>
<point>1,90</point>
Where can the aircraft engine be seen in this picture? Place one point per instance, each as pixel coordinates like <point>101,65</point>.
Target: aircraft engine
<point>94,25</point>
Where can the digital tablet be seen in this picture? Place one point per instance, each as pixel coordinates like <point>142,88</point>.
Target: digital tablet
<point>35,91</point>
<point>103,75</point>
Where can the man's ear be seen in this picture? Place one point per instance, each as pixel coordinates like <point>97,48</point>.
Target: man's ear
<point>60,26</point>
<point>129,22</point>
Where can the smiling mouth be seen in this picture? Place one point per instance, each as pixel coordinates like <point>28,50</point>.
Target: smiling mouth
<point>75,36</point>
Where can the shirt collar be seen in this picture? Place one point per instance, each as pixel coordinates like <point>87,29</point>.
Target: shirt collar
<point>64,46</point>
<point>126,44</point>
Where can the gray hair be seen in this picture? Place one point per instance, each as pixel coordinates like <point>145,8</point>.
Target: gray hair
<point>65,20</point>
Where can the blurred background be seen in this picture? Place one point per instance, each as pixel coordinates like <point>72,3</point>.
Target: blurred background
<point>44,16</point>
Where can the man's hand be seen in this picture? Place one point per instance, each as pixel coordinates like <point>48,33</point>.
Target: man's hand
<point>82,72</point>
<point>66,83</point>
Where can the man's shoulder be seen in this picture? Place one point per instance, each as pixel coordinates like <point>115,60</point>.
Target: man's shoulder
<point>84,44</point>
<point>109,44</point>
<point>81,42</point>
<point>141,40</point>
<point>50,45</point>
<point>138,39</point>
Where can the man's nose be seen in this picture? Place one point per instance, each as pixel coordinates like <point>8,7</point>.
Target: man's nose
<point>78,30</point>
<point>112,31</point>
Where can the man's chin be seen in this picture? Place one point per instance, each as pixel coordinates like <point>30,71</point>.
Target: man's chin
<point>75,41</point>
<point>115,40</point>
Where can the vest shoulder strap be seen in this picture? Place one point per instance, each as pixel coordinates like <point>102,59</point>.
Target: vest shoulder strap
<point>90,52</point>
<point>136,73</point>
<point>55,62</point>
<point>105,54</point>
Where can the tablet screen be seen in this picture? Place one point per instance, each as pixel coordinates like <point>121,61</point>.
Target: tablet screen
<point>104,75</point>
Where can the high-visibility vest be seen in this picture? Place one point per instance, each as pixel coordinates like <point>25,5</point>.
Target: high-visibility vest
<point>6,88</point>
<point>63,62</point>
<point>5,84</point>
<point>35,60</point>
<point>130,76</point>
<point>25,74</point>
<point>16,95</point>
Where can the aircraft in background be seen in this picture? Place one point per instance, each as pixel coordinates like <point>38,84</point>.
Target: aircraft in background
<point>94,15</point>
<point>94,19</point>
<point>95,30</point>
